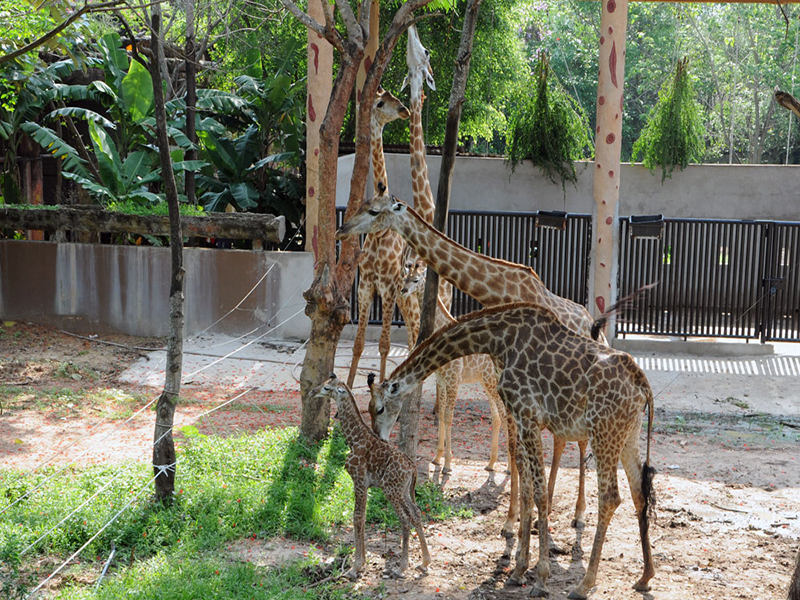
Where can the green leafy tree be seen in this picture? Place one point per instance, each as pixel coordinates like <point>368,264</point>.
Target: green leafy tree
<point>674,134</point>
<point>547,127</point>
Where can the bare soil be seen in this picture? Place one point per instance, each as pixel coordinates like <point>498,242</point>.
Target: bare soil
<point>728,504</point>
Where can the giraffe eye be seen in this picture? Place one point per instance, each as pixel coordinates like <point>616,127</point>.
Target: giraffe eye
<point>380,104</point>
<point>379,411</point>
<point>373,212</point>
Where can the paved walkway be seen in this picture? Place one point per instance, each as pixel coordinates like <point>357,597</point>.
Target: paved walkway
<point>681,382</point>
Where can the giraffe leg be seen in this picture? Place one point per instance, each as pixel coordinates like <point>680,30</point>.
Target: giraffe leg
<point>384,345</point>
<point>409,308</point>
<point>636,475</point>
<point>608,501</point>
<point>415,517</point>
<point>441,390</point>
<point>558,450</point>
<point>496,423</point>
<point>365,292</point>
<point>449,407</point>
<point>359,523</point>
<point>513,503</point>
<point>579,521</point>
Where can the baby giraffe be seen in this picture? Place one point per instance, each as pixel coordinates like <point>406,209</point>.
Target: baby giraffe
<point>375,463</point>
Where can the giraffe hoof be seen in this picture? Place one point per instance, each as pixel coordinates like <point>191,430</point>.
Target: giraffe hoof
<point>515,581</point>
<point>446,470</point>
<point>578,523</point>
<point>489,468</point>
<point>641,586</point>
<point>422,569</point>
<point>539,591</point>
<point>352,574</point>
<point>576,595</point>
<point>395,574</point>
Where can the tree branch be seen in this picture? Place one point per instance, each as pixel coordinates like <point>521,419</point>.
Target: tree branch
<point>86,8</point>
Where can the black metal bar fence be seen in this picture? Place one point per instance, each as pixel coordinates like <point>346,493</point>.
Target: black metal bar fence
<point>716,278</point>
<point>557,249</point>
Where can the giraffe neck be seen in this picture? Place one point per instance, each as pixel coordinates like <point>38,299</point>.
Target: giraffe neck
<point>423,196</point>
<point>378,159</point>
<point>353,426</point>
<point>490,281</point>
<point>473,336</point>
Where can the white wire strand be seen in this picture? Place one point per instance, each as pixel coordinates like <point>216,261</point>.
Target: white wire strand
<point>94,537</point>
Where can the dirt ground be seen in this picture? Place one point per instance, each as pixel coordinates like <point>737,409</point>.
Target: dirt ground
<point>728,504</point>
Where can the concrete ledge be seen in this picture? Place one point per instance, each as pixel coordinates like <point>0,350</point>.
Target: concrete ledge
<point>694,348</point>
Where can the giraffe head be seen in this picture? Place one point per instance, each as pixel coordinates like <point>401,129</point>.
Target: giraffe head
<point>375,215</point>
<point>418,60</point>
<point>386,400</point>
<point>334,389</point>
<point>414,283</point>
<point>387,108</point>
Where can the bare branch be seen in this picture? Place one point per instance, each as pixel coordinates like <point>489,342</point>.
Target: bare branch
<point>86,8</point>
<point>303,17</point>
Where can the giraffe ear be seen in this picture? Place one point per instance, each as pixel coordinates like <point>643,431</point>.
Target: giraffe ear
<point>395,386</point>
<point>398,207</point>
<point>405,82</point>
<point>370,380</point>
<point>429,79</point>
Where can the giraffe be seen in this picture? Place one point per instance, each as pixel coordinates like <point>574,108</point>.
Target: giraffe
<point>490,281</point>
<point>381,264</point>
<point>551,377</point>
<point>476,368</point>
<point>373,462</point>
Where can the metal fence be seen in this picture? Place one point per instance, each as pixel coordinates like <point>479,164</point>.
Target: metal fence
<point>716,278</point>
<point>556,246</point>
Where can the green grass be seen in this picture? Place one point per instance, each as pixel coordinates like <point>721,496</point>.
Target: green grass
<point>259,485</point>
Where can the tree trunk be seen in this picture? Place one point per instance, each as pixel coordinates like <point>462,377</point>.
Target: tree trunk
<point>408,439</point>
<point>164,445</point>
<point>794,586</point>
<point>191,99</point>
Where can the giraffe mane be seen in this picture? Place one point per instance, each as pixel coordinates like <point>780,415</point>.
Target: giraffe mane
<point>472,252</point>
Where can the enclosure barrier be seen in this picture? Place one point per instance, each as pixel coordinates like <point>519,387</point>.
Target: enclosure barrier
<point>716,278</point>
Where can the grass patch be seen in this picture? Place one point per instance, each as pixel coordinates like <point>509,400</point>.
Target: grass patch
<point>258,485</point>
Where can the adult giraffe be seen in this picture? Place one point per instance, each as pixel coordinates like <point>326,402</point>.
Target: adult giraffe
<point>381,262</point>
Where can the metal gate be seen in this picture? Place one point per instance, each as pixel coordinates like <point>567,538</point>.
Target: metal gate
<point>716,278</point>
<point>555,245</point>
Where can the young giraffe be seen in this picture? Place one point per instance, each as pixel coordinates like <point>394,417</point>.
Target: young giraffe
<point>476,368</point>
<point>381,262</point>
<point>552,377</point>
<point>373,462</point>
<point>491,281</point>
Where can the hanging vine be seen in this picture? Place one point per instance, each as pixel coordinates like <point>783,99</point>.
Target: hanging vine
<point>548,127</point>
<point>674,134</point>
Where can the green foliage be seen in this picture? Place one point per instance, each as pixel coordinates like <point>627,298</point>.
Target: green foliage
<point>673,136</point>
<point>547,127</point>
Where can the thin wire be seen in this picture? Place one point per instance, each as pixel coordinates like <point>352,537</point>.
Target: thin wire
<point>84,503</point>
<point>65,467</point>
<point>94,537</point>
<point>253,341</point>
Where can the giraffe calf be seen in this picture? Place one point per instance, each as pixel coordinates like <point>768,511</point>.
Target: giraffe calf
<point>373,462</point>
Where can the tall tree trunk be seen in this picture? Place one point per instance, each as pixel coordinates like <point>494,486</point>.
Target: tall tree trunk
<point>409,417</point>
<point>191,99</point>
<point>164,445</point>
<point>794,586</point>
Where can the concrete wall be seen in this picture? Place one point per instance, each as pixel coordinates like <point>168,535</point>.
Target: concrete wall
<point>125,289</point>
<point>700,191</point>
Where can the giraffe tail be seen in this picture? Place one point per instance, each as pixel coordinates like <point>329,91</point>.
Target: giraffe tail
<point>648,471</point>
<point>600,322</point>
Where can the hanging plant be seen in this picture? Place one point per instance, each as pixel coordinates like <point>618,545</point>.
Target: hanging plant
<point>674,133</point>
<point>548,127</point>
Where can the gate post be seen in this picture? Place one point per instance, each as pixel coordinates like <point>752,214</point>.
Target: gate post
<point>608,147</point>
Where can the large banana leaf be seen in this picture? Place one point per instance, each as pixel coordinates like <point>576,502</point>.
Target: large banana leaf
<point>108,161</point>
<point>115,59</point>
<point>274,158</point>
<point>218,100</point>
<point>82,113</point>
<point>100,192</point>
<point>48,140</point>
<point>137,92</point>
